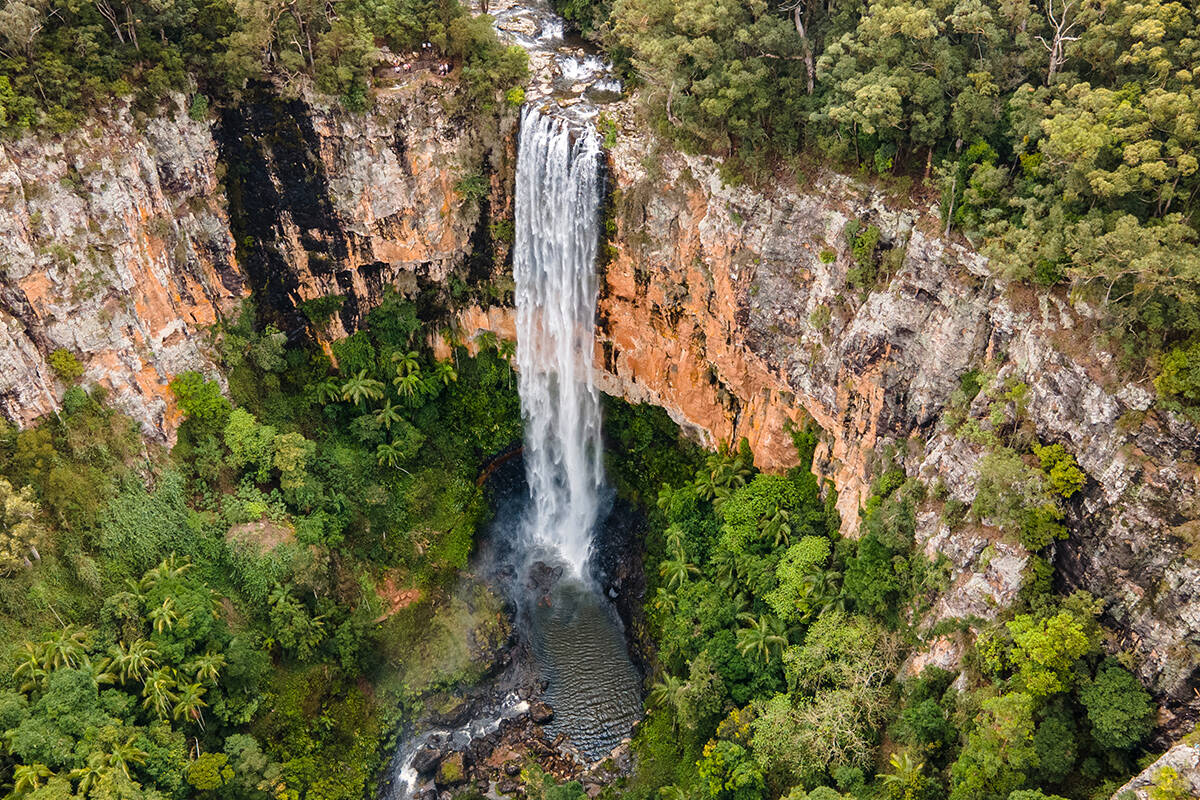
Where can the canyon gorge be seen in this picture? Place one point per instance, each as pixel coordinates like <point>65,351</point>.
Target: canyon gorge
<point>729,306</point>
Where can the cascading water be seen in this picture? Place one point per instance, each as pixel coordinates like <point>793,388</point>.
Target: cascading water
<point>576,634</point>
<point>538,547</point>
<point>554,266</point>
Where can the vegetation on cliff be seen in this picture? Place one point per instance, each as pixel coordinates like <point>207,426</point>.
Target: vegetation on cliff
<point>61,60</point>
<point>249,615</point>
<point>1062,136</point>
<point>781,649</point>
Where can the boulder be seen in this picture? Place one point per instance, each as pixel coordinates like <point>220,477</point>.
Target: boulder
<point>541,712</point>
<point>451,771</point>
<point>426,760</point>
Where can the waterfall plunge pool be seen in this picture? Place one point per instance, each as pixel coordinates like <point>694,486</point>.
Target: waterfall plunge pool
<point>569,649</point>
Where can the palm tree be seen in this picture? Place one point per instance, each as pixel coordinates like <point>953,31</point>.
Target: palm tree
<point>665,496</point>
<point>133,662</point>
<point>665,601</point>
<point>706,484</point>
<point>95,771</point>
<point>824,586</point>
<point>445,373</point>
<point>359,388</point>
<point>136,590</point>
<point>158,693</point>
<point>66,649</point>
<point>164,616</point>
<point>486,340</point>
<point>407,362</point>
<point>725,564</point>
<point>410,386</point>
<point>27,777</point>
<point>672,792</point>
<point>674,535</point>
<point>328,391</point>
<point>387,415</point>
<point>280,594</point>
<point>207,668</point>
<point>677,571</point>
<point>904,770</point>
<point>390,453</point>
<point>506,349</point>
<point>190,703</point>
<point>123,754</point>
<point>778,526</point>
<point>761,638</point>
<point>667,692</point>
<point>31,668</point>
<point>170,567</point>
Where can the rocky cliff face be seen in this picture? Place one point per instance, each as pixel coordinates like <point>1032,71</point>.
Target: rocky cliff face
<point>732,309</point>
<point>325,203</point>
<point>729,307</point>
<point>124,243</point>
<point>117,249</point>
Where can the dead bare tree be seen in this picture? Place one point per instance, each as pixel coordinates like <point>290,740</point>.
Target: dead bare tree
<point>1062,23</point>
<point>799,11</point>
<point>109,13</point>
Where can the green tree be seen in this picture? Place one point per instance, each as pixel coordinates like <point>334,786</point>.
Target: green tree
<point>1120,710</point>
<point>728,771</point>
<point>358,388</point>
<point>999,753</point>
<point>20,532</point>
<point>1045,650</point>
<point>209,771</point>
<point>293,453</point>
<point>200,399</point>
<point>792,599</point>
<point>250,444</point>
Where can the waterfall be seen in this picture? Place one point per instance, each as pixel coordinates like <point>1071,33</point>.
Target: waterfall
<point>554,266</point>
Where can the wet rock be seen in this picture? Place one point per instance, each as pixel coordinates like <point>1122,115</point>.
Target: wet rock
<point>508,786</point>
<point>541,712</point>
<point>426,760</point>
<point>542,578</point>
<point>451,771</point>
<point>512,768</point>
<point>479,749</point>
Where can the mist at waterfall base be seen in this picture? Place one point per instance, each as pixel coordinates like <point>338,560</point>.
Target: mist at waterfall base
<point>575,632</point>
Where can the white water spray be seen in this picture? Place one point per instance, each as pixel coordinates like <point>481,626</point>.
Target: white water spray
<point>554,265</point>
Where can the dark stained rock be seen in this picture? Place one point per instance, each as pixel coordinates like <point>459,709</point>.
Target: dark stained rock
<point>542,578</point>
<point>426,760</point>
<point>541,712</point>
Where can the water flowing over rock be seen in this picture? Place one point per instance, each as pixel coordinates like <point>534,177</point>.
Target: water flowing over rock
<point>554,266</point>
